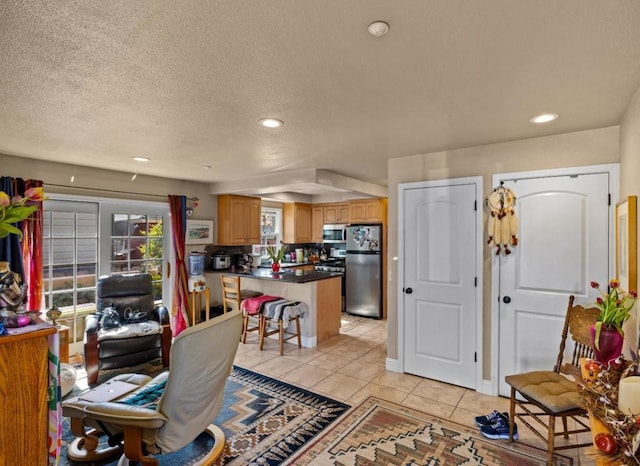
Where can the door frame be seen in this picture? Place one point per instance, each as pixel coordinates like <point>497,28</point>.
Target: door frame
<point>613,170</point>
<point>402,187</point>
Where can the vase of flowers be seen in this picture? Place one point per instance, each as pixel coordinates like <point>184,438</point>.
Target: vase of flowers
<point>17,208</point>
<point>276,255</point>
<point>615,307</point>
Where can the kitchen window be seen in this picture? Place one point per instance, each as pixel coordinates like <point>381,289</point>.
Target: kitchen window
<point>270,230</point>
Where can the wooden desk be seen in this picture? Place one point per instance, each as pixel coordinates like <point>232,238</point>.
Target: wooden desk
<point>24,379</point>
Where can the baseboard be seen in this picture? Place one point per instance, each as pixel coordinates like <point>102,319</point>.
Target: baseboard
<point>486,387</point>
<point>393,365</point>
<point>308,342</point>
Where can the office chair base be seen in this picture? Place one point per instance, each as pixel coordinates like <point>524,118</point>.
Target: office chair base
<point>212,455</point>
<point>85,449</point>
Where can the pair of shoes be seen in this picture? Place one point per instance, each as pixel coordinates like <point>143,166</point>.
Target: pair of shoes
<point>490,418</point>
<point>499,429</point>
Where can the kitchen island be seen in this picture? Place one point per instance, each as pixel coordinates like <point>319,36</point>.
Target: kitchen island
<point>320,291</point>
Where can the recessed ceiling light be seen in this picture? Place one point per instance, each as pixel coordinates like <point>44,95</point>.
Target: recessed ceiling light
<point>207,167</point>
<point>544,118</point>
<point>271,122</point>
<point>135,175</point>
<point>141,158</point>
<point>378,28</point>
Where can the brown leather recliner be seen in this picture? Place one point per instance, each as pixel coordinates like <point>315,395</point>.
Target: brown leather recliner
<point>143,333</point>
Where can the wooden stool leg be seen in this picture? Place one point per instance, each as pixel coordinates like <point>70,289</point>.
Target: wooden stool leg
<point>281,333</point>
<point>298,331</point>
<point>263,330</point>
<point>245,325</point>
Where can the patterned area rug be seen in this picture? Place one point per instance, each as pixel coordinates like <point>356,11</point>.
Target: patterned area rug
<point>381,433</point>
<point>265,421</point>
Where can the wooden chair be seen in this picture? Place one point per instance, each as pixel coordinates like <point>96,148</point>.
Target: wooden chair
<point>551,394</point>
<point>232,297</point>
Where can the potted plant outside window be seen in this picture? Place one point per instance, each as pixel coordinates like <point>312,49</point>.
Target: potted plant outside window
<point>615,309</point>
<point>276,255</point>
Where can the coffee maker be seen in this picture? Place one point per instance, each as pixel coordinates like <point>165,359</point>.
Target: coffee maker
<point>239,260</point>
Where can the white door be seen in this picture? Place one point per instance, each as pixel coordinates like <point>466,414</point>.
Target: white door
<point>563,246</point>
<point>440,245</point>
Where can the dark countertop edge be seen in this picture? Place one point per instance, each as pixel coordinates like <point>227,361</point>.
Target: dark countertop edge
<point>285,277</point>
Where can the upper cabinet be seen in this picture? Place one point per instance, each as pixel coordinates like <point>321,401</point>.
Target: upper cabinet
<point>317,222</point>
<point>238,220</point>
<point>296,223</point>
<point>368,211</point>
<point>336,213</point>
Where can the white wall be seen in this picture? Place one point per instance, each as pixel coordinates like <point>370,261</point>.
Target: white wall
<point>565,150</point>
<point>630,186</point>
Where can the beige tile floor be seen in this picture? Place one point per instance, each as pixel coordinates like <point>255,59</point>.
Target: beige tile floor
<point>351,366</point>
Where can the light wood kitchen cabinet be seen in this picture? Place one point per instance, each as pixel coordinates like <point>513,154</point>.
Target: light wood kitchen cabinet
<point>24,382</point>
<point>368,211</point>
<point>317,222</point>
<point>238,220</point>
<point>296,223</point>
<point>336,213</point>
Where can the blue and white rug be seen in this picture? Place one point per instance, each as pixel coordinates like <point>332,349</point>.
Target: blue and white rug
<point>265,422</point>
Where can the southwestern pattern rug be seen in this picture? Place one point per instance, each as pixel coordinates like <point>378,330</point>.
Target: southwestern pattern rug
<point>265,421</point>
<point>382,433</point>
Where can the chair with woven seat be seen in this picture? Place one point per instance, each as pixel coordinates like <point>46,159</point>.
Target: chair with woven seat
<point>232,297</point>
<point>551,393</point>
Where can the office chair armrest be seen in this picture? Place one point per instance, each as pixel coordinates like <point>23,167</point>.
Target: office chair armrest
<point>91,324</point>
<point>161,314</point>
<point>125,415</point>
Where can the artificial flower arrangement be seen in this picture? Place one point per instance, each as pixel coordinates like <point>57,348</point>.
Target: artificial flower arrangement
<point>615,308</point>
<point>275,254</point>
<point>17,208</point>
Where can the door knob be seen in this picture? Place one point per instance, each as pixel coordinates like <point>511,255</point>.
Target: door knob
<point>409,290</point>
<point>506,299</point>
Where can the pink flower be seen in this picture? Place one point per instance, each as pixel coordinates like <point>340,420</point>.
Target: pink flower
<point>595,285</point>
<point>599,300</point>
<point>35,194</point>
<point>614,283</point>
<point>633,293</point>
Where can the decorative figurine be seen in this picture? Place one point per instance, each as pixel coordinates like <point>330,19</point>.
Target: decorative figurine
<point>53,314</point>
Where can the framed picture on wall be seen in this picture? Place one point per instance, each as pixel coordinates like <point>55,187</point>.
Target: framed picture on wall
<point>199,232</point>
<point>626,243</point>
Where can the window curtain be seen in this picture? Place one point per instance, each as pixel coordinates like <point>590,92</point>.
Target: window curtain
<point>25,255</point>
<point>178,211</point>
<point>32,251</point>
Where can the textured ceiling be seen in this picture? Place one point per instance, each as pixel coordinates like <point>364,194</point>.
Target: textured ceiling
<point>185,83</point>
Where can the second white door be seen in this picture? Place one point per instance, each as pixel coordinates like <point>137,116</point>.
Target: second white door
<point>563,246</point>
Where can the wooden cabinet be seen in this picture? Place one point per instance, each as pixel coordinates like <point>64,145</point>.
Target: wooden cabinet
<point>336,213</point>
<point>24,382</point>
<point>368,210</point>
<point>296,223</point>
<point>238,220</point>
<point>317,222</point>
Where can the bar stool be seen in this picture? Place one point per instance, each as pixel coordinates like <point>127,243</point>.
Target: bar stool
<point>232,297</point>
<point>273,314</point>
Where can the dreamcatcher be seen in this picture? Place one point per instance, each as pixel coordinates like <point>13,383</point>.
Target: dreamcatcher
<point>503,223</point>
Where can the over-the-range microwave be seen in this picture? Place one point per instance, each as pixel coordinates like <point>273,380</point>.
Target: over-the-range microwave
<point>334,233</point>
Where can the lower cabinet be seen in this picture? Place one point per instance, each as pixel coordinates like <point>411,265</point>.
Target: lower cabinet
<point>24,382</point>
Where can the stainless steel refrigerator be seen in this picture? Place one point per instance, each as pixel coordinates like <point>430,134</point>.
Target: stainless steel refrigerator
<point>364,270</point>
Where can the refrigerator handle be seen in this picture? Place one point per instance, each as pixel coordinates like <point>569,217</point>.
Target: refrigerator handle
<point>344,235</point>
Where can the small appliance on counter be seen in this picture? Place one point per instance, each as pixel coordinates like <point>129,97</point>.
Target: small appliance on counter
<point>240,261</point>
<point>197,282</point>
<point>220,260</point>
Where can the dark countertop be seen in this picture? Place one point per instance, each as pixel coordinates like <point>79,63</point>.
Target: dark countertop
<point>288,276</point>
